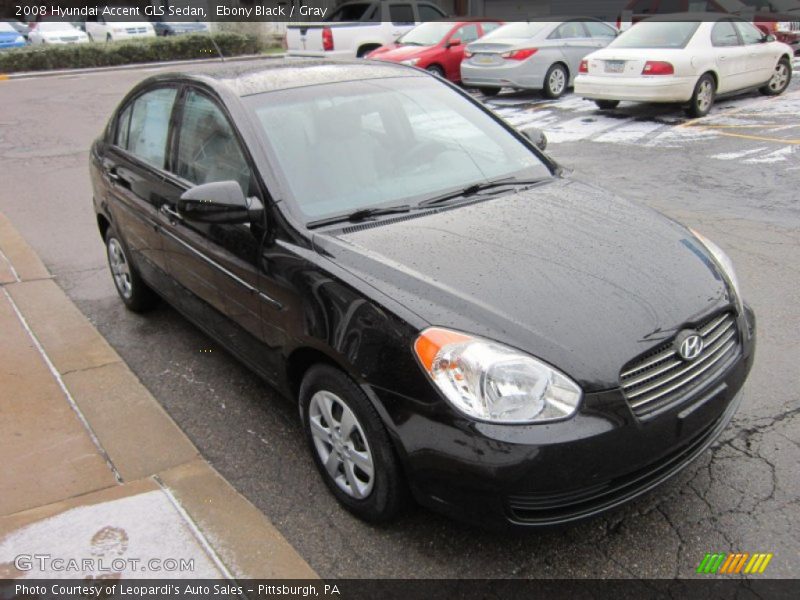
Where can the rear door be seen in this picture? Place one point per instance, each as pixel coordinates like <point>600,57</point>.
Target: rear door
<point>574,42</point>
<point>730,56</point>
<point>133,169</point>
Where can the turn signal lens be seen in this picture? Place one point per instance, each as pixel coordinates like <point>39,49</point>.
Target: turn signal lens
<point>520,54</point>
<point>467,54</point>
<point>584,66</point>
<point>488,381</point>
<point>658,67</point>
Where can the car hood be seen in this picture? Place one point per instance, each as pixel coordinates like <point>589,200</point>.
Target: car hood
<point>9,36</point>
<point>399,53</point>
<point>566,272</point>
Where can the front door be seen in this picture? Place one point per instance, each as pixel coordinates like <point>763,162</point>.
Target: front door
<point>219,263</point>
<point>760,57</point>
<point>730,57</point>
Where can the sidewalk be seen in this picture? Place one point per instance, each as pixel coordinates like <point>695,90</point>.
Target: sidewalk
<point>92,466</point>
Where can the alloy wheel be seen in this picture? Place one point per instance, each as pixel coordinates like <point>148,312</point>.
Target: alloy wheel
<point>779,77</point>
<point>557,82</point>
<point>705,95</point>
<point>341,444</point>
<point>120,268</point>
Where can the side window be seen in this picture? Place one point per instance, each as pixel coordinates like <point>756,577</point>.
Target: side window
<point>600,30</point>
<point>570,29</point>
<point>401,14</point>
<point>723,34</point>
<point>208,149</point>
<point>123,126</point>
<point>489,27</point>
<point>149,126</point>
<point>467,34</point>
<point>429,13</point>
<point>750,33</point>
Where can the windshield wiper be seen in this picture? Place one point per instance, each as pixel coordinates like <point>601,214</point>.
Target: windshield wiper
<point>477,188</point>
<point>360,215</point>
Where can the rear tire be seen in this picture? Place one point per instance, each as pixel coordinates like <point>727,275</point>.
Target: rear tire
<point>781,79</point>
<point>347,440</point>
<point>606,104</point>
<point>703,97</point>
<point>555,81</point>
<point>364,50</point>
<point>489,92</point>
<point>133,291</point>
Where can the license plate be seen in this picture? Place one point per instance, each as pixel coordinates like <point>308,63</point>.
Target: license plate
<point>483,59</point>
<point>615,66</point>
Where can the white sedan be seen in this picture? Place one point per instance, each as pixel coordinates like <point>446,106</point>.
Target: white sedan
<point>54,32</point>
<point>685,58</point>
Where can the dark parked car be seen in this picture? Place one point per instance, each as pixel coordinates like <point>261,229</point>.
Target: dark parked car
<point>455,317</point>
<point>165,28</point>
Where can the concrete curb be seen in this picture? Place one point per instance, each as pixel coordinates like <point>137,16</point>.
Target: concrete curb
<point>80,431</point>
<point>134,66</point>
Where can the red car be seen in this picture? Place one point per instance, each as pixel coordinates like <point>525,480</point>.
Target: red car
<point>437,46</point>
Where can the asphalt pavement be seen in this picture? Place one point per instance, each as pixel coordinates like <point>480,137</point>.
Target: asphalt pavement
<point>733,176</point>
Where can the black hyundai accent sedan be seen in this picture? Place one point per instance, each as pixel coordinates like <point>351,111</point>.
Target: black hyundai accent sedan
<point>458,320</point>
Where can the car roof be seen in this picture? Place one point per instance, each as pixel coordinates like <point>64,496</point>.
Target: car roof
<point>272,74</point>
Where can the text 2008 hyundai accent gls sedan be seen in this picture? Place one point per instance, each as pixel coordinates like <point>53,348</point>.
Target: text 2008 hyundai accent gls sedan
<point>454,316</point>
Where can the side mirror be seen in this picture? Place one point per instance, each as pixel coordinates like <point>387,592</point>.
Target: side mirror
<point>536,136</point>
<point>454,42</point>
<point>219,202</point>
<point>768,38</point>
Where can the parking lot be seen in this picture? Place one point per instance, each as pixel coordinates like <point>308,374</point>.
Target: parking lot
<point>732,175</point>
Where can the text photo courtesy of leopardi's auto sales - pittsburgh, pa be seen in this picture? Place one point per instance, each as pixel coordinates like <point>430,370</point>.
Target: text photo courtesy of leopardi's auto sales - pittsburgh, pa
<point>399,299</point>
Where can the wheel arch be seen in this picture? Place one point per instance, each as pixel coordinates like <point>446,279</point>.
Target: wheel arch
<point>365,48</point>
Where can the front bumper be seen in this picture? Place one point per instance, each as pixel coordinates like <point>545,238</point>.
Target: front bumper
<point>635,89</point>
<point>502,476</point>
<point>522,75</point>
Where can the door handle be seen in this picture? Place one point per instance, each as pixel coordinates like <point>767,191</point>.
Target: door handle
<point>171,212</point>
<point>723,57</point>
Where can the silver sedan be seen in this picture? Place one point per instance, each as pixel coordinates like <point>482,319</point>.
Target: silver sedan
<point>538,55</point>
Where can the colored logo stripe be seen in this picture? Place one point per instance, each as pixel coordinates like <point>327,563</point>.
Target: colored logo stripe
<point>732,564</point>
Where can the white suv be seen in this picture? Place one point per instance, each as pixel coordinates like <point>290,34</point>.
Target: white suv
<point>103,29</point>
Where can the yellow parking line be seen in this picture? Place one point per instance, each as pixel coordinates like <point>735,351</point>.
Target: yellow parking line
<point>759,138</point>
<point>4,77</point>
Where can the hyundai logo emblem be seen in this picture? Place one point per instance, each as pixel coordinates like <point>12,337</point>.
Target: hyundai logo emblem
<point>689,345</point>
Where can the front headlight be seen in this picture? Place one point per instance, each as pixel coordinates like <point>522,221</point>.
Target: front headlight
<point>783,26</point>
<point>725,265</point>
<point>492,382</point>
<point>412,62</point>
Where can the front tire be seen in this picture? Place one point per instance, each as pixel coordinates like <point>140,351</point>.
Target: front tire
<point>703,97</point>
<point>780,80</point>
<point>350,446</point>
<point>606,104</point>
<point>435,70</point>
<point>555,81</point>
<point>134,292</point>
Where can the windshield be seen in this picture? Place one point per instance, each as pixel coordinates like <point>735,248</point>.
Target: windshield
<point>515,30</point>
<point>656,34</point>
<point>732,5</point>
<point>347,146</point>
<point>427,34</point>
<point>55,26</point>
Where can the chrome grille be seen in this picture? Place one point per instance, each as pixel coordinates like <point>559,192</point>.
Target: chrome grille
<point>662,376</point>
